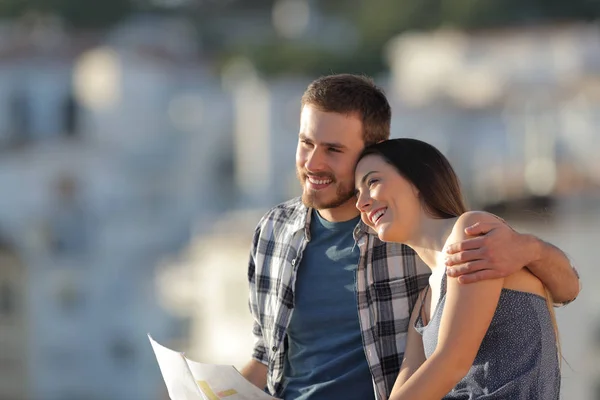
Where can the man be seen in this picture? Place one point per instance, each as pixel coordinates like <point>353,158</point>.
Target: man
<point>331,302</point>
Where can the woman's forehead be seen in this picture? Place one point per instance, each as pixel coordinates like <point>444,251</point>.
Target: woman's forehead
<point>368,165</point>
<point>370,161</point>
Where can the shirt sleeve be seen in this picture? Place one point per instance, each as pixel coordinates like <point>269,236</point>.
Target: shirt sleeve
<point>259,352</point>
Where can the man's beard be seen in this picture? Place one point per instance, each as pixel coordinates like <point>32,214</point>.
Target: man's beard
<point>310,198</point>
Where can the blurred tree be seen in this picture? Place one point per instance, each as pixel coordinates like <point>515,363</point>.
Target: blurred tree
<point>75,13</point>
<point>380,20</point>
<point>376,20</point>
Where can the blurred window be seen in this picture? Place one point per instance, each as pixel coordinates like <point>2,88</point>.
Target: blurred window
<point>70,298</point>
<point>20,116</point>
<point>71,116</point>
<point>121,351</point>
<point>7,300</point>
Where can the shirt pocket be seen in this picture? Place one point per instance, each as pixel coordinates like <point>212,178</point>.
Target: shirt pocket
<point>389,290</point>
<point>390,307</point>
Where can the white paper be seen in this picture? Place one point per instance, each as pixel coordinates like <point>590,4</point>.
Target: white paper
<point>189,380</point>
<point>176,373</point>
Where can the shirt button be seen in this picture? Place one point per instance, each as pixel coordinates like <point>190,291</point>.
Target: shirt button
<point>294,262</point>
<point>274,348</point>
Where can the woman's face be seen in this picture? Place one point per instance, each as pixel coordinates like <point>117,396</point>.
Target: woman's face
<point>387,201</point>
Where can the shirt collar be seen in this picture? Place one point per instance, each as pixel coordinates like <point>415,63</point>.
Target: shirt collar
<point>303,223</point>
<point>362,229</point>
<point>302,219</point>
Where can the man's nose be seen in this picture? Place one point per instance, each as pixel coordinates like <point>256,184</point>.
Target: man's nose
<point>314,161</point>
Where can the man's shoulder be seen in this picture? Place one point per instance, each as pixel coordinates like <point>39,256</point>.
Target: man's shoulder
<point>289,213</point>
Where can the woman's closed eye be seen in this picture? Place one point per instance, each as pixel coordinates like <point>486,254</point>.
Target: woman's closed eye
<point>372,182</point>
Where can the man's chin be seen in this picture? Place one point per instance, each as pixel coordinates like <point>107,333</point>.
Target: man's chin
<point>312,201</point>
<point>321,203</point>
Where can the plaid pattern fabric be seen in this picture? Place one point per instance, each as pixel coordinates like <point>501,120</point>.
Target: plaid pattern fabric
<point>389,278</point>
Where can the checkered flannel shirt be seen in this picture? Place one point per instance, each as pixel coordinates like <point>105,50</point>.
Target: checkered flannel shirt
<point>389,278</point>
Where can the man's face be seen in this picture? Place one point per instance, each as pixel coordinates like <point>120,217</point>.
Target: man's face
<point>328,146</point>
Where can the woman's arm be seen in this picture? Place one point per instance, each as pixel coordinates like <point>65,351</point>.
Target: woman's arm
<point>467,314</point>
<point>414,355</point>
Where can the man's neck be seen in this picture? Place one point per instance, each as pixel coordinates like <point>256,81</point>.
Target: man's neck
<point>343,213</point>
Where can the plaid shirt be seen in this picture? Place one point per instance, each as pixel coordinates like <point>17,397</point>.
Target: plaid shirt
<point>389,278</point>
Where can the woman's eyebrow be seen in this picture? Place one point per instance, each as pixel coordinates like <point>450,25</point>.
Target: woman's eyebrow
<point>364,178</point>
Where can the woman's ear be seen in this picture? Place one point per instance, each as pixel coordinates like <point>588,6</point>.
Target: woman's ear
<point>415,191</point>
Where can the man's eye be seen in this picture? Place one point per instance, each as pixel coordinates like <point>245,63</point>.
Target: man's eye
<point>334,150</point>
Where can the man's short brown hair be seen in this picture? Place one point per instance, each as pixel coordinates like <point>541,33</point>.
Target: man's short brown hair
<point>353,94</point>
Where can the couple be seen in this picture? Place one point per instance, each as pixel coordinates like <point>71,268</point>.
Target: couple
<point>343,310</point>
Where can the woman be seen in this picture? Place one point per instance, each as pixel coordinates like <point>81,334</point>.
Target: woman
<point>494,339</point>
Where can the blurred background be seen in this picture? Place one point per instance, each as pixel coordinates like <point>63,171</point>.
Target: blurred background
<point>141,141</point>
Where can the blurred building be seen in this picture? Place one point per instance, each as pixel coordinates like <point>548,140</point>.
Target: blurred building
<point>524,102</point>
<point>14,318</point>
<point>122,157</point>
<point>208,285</point>
<point>95,192</point>
<point>116,150</point>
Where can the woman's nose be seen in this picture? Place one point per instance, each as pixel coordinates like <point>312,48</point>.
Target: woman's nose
<point>363,202</point>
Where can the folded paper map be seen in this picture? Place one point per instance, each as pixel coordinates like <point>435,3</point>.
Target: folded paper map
<point>189,380</point>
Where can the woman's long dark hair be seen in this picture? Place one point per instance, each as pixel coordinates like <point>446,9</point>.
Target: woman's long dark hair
<point>428,169</point>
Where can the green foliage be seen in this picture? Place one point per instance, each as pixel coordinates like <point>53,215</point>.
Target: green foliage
<point>376,20</point>
<point>380,20</point>
<point>76,13</point>
<point>292,58</point>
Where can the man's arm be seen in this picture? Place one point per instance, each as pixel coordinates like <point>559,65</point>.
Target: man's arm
<point>499,251</point>
<point>554,269</point>
<point>256,373</point>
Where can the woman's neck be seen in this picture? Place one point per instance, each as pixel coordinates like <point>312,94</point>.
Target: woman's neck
<point>430,239</point>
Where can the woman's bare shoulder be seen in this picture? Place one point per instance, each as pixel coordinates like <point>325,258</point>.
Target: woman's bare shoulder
<point>473,217</point>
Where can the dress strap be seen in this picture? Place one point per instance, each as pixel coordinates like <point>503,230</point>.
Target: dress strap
<point>443,284</point>
<point>422,315</point>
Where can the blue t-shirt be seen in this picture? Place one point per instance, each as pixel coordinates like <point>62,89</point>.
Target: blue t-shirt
<point>325,357</point>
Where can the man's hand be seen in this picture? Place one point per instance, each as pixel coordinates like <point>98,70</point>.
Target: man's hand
<point>496,252</point>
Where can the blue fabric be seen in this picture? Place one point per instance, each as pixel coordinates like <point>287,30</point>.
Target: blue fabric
<point>325,358</point>
<point>518,357</point>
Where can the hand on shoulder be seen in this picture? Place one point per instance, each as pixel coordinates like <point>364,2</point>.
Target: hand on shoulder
<point>484,246</point>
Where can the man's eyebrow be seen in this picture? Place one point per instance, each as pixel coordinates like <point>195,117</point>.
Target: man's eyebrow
<point>335,145</point>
